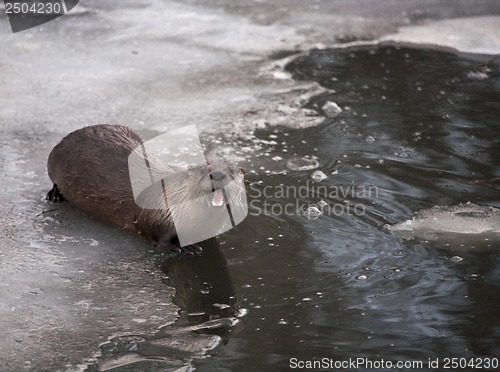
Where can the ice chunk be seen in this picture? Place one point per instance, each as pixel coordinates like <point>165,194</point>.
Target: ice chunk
<point>465,218</point>
<point>302,164</point>
<point>331,109</point>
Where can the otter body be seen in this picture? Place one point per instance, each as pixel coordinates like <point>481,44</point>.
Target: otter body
<point>90,170</point>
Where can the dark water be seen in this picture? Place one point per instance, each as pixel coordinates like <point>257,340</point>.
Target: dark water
<point>417,126</point>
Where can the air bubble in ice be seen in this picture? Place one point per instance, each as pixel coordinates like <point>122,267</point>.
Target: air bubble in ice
<point>319,176</point>
<point>456,259</point>
<point>322,203</point>
<point>312,213</point>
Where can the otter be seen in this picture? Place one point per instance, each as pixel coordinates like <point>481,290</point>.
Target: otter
<point>89,169</point>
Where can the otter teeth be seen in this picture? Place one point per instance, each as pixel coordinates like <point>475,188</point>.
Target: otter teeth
<point>217,198</point>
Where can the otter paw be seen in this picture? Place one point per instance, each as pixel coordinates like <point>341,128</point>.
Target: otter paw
<point>173,245</point>
<point>191,249</point>
<point>55,195</point>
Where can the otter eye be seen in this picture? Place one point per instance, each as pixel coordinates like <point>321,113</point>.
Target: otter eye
<point>242,171</point>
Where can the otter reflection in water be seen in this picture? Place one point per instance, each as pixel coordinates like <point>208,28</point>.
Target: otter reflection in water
<point>204,289</point>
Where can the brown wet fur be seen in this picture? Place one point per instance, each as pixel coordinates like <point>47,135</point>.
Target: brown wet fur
<point>90,169</point>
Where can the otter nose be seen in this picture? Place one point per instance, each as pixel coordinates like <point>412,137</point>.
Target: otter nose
<point>218,176</point>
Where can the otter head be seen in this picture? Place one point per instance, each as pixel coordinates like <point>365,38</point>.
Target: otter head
<point>191,204</point>
<point>227,183</point>
<point>215,184</point>
<point>205,200</point>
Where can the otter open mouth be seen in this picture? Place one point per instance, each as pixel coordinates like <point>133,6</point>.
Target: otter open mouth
<point>218,198</point>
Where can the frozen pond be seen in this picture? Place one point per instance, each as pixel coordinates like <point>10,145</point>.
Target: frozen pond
<point>338,144</point>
